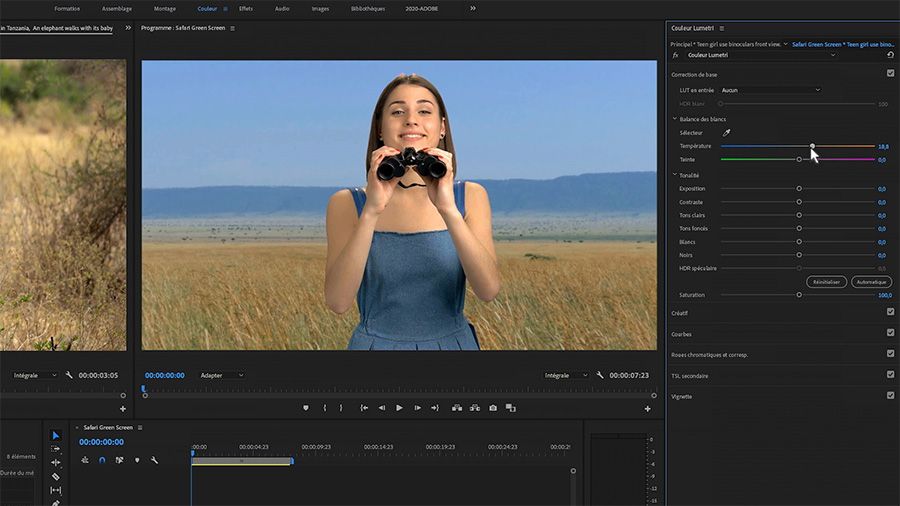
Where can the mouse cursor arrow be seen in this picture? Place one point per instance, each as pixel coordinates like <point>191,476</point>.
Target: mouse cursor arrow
<point>813,155</point>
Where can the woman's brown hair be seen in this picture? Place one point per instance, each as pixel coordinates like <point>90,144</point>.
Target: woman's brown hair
<point>374,142</point>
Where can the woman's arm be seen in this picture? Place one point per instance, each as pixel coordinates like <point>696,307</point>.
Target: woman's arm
<point>348,250</point>
<point>474,241</point>
<point>349,238</point>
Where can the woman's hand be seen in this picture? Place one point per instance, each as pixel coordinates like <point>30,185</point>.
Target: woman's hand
<point>440,190</point>
<point>378,192</point>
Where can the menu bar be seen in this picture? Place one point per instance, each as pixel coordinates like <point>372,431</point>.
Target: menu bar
<point>444,9</point>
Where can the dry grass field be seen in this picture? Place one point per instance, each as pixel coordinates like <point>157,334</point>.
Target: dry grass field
<point>242,296</point>
<point>62,205</point>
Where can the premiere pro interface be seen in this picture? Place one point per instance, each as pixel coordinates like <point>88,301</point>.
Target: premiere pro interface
<point>483,252</point>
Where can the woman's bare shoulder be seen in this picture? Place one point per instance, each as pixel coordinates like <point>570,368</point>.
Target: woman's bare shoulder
<point>473,187</point>
<point>341,205</point>
<point>477,201</point>
<point>475,193</point>
<point>340,197</point>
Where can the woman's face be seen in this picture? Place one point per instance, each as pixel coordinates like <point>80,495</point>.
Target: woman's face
<point>411,118</point>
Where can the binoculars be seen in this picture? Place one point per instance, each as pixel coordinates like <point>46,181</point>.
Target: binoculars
<point>425,164</point>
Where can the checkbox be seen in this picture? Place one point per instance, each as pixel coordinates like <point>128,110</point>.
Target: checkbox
<point>890,72</point>
<point>890,374</point>
<point>890,354</point>
<point>890,332</point>
<point>890,311</point>
<point>890,394</point>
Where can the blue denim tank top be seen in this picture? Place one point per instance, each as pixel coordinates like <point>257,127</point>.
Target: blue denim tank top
<point>413,290</point>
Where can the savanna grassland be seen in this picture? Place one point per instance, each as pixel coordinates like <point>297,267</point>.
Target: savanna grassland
<point>217,293</point>
<point>62,205</point>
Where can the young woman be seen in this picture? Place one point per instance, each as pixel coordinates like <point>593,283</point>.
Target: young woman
<point>404,248</point>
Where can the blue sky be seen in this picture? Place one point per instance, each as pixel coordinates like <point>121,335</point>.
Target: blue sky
<point>306,123</point>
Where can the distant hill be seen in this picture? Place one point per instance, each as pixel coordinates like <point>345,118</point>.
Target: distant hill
<point>585,193</point>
